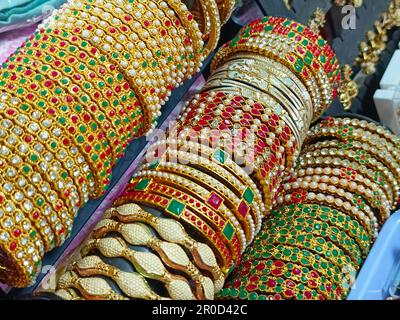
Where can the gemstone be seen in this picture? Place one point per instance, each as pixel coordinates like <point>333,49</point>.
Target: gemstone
<point>228,231</point>
<point>175,207</point>
<point>220,155</point>
<point>4,236</point>
<point>248,195</point>
<point>142,184</point>
<point>214,200</point>
<point>243,208</point>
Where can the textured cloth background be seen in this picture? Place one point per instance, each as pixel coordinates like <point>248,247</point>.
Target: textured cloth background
<point>15,14</point>
<point>11,40</point>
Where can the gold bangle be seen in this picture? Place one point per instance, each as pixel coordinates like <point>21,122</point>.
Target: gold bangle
<point>227,200</point>
<point>211,9</point>
<point>90,288</point>
<point>131,283</point>
<point>173,208</point>
<point>222,221</point>
<point>172,231</point>
<point>208,167</point>
<point>172,255</point>
<point>146,263</point>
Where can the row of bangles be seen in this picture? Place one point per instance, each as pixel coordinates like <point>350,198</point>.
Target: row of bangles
<point>242,200</point>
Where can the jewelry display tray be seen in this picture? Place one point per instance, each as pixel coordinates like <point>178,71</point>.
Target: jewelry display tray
<point>374,278</point>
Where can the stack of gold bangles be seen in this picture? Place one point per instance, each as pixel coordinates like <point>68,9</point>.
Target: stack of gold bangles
<point>171,249</point>
<point>235,141</point>
<point>91,79</point>
<point>327,214</point>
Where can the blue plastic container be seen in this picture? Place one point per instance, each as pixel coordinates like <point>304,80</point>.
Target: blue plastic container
<point>382,265</point>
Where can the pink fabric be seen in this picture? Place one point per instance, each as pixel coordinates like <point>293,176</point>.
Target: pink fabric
<point>10,41</point>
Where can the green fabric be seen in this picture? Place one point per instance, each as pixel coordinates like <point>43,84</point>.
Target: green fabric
<point>20,13</point>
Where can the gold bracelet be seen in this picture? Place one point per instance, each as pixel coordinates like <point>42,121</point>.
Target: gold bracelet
<point>172,231</point>
<point>90,288</point>
<point>131,283</point>
<point>172,255</point>
<point>146,263</point>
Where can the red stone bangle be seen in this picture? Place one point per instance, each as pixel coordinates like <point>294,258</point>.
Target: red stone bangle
<point>220,224</point>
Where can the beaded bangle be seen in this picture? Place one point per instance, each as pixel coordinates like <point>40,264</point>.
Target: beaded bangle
<point>22,150</point>
<point>24,121</point>
<point>287,287</point>
<point>120,123</point>
<point>34,127</point>
<point>268,280</point>
<point>316,228</point>
<point>211,8</point>
<point>326,215</point>
<point>177,39</point>
<point>81,125</point>
<point>347,132</point>
<point>109,39</point>
<point>304,257</point>
<point>315,244</point>
<point>11,208</point>
<point>78,84</point>
<point>228,293</point>
<point>365,125</point>
<point>110,81</point>
<point>192,28</point>
<point>61,223</point>
<point>356,172</point>
<point>375,199</point>
<point>101,17</point>
<point>20,245</point>
<point>259,146</point>
<point>360,148</point>
<point>298,273</point>
<point>296,123</point>
<point>220,82</point>
<point>351,203</point>
<point>257,110</point>
<point>340,159</point>
<point>42,189</point>
<point>123,107</point>
<point>61,153</point>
